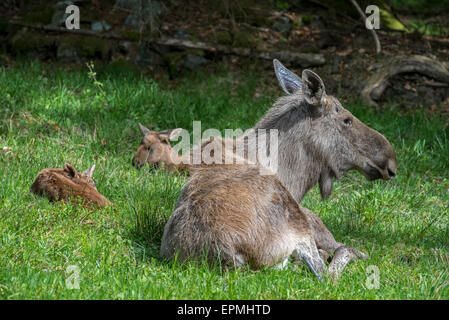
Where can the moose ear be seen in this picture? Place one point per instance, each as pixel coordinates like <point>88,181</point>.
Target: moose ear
<point>313,87</point>
<point>164,138</point>
<point>175,133</point>
<point>89,172</point>
<point>70,170</point>
<point>143,129</point>
<point>288,80</point>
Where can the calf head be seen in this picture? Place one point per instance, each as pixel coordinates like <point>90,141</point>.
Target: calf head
<point>155,147</point>
<point>83,178</point>
<point>334,136</point>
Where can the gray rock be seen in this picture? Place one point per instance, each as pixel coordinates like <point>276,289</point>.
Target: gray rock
<point>192,61</point>
<point>128,4</point>
<point>134,20</point>
<point>68,54</point>
<point>146,57</point>
<point>100,26</point>
<point>143,12</point>
<point>124,46</point>
<point>282,25</point>
<point>63,4</point>
<point>318,23</point>
<point>59,16</point>
<point>181,34</point>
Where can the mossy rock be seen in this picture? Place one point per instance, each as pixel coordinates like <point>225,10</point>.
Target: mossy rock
<point>195,52</point>
<point>306,20</point>
<point>174,61</point>
<point>129,35</point>
<point>26,41</point>
<point>309,48</point>
<point>174,57</point>
<point>41,15</point>
<point>262,21</point>
<point>121,65</point>
<point>245,39</point>
<point>7,28</point>
<point>88,47</point>
<point>224,37</point>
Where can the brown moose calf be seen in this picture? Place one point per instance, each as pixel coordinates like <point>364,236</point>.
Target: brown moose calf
<point>156,150</point>
<point>64,184</point>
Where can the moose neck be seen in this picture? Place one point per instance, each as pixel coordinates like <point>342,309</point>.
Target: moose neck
<point>299,168</point>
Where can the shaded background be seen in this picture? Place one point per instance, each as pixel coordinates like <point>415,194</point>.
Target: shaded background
<point>171,38</point>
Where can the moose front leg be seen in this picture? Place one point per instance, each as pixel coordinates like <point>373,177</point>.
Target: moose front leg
<point>325,241</point>
<point>342,256</point>
<point>307,251</point>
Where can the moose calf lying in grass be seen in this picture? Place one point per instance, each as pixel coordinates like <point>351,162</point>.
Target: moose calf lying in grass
<point>233,214</point>
<point>155,149</point>
<point>64,184</point>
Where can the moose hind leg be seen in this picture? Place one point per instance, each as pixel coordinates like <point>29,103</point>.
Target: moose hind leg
<point>342,256</point>
<point>307,251</point>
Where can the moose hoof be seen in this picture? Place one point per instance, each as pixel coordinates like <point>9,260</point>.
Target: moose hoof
<point>342,256</point>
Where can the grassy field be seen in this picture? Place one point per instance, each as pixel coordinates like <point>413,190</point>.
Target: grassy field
<point>52,116</point>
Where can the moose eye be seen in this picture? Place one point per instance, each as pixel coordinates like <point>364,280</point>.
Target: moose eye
<point>337,110</point>
<point>347,121</point>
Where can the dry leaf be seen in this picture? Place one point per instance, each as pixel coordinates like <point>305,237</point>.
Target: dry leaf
<point>88,221</point>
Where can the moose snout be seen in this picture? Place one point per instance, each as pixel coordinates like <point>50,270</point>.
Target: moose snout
<point>391,168</point>
<point>385,170</point>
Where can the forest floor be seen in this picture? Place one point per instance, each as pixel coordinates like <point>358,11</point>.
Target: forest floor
<point>52,115</point>
<point>307,27</point>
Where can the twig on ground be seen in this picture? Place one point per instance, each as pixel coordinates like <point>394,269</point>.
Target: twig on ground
<point>373,32</point>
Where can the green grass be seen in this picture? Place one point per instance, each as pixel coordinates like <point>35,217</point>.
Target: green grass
<point>423,6</point>
<point>50,115</point>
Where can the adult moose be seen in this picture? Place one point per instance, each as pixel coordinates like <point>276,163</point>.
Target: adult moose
<point>235,214</point>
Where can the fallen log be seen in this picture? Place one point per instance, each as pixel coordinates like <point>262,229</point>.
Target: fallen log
<point>294,58</point>
<point>301,59</point>
<point>379,81</point>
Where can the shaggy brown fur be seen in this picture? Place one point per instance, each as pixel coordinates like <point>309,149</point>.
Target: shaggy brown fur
<point>234,213</point>
<point>67,183</point>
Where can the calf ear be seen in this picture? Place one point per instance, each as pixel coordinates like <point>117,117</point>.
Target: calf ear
<point>70,170</point>
<point>288,80</point>
<point>143,129</point>
<point>164,138</point>
<point>312,88</point>
<point>89,172</point>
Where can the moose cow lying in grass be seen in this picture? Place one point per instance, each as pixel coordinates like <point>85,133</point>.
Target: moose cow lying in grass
<point>236,215</point>
<point>64,184</point>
